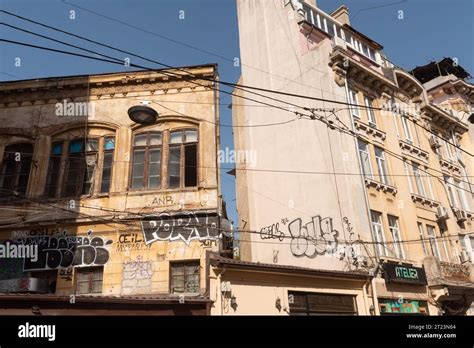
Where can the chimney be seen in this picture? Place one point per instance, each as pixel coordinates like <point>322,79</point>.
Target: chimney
<point>341,14</point>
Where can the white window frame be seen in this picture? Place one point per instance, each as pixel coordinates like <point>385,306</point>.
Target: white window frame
<point>370,112</point>
<point>409,177</point>
<point>432,241</point>
<point>407,130</point>
<point>366,152</point>
<point>396,236</point>
<point>382,165</point>
<point>353,99</point>
<point>418,183</point>
<point>421,233</point>
<point>460,195</point>
<point>378,232</point>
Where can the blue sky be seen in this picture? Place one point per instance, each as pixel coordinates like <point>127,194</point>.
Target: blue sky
<point>430,29</point>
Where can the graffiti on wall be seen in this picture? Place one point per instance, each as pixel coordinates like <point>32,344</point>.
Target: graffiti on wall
<point>41,231</point>
<point>65,251</point>
<point>163,200</point>
<point>317,237</point>
<point>66,274</point>
<point>185,226</point>
<point>137,269</point>
<point>131,242</point>
<point>136,276</point>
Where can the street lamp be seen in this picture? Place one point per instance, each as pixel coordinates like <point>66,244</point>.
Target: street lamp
<point>142,114</point>
<point>471,118</point>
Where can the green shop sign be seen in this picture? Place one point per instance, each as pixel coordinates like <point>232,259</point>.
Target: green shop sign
<point>394,272</point>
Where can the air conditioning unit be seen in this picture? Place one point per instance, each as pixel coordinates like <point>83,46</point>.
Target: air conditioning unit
<point>465,257</point>
<point>461,215</point>
<point>434,142</point>
<point>442,213</point>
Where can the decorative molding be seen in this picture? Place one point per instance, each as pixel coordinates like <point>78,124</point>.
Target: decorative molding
<point>379,186</point>
<point>414,150</point>
<point>424,201</point>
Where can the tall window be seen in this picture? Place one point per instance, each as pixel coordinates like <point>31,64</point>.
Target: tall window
<point>406,129</point>
<point>15,170</point>
<point>184,277</point>
<point>80,167</point>
<point>365,159</point>
<point>370,111</point>
<point>381,165</point>
<point>450,190</point>
<point>432,239</point>
<point>353,100</point>
<point>146,167</point>
<point>461,195</point>
<point>182,166</point>
<point>396,237</point>
<point>89,280</point>
<point>422,238</point>
<point>54,169</point>
<point>377,230</point>
<point>418,180</point>
<point>108,147</point>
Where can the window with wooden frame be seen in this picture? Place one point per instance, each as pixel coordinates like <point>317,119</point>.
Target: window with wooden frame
<point>81,163</point>
<point>182,165</point>
<point>107,164</point>
<point>75,164</point>
<point>146,161</point>
<point>89,280</point>
<point>184,277</point>
<point>54,170</point>
<point>15,171</point>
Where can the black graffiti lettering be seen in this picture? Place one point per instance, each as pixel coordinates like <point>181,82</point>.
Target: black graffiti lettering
<point>66,251</point>
<point>185,227</point>
<point>272,232</point>
<point>317,237</point>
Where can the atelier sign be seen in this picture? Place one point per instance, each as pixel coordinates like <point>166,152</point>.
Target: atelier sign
<point>397,273</point>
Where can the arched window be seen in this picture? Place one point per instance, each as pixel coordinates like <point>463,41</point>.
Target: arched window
<point>84,162</point>
<point>180,157</point>
<point>16,166</point>
<point>182,166</point>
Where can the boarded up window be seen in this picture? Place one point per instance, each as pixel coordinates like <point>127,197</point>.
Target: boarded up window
<point>306,303</point>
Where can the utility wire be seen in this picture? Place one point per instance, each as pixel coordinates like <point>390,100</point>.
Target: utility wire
<point>238,86</point>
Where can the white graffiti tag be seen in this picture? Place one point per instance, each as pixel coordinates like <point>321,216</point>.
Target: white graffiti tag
<point>317,237</point>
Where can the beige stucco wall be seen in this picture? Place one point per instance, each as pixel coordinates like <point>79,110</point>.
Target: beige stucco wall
<point>27,113</point>
<point>273,57</point>
<point>256,293</point>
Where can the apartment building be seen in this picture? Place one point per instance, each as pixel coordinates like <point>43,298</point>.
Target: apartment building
<point>114,179</point>
<point>408,204</point>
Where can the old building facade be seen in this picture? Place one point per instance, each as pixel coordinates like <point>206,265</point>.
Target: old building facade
<point>401,185</point>
<point>122,213</point>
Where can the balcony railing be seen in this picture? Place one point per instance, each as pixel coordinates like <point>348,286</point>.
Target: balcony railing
<point>326,24</point>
